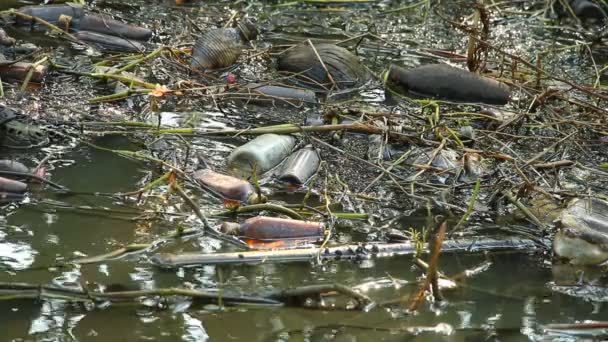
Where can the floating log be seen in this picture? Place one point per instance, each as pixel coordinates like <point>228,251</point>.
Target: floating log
<point>348,252</point>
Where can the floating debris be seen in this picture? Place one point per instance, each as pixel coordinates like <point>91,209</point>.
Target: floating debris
<point>300,166</point>
<point>110,43</point>
<point>265,228</point>
<point>445,82</point>
<point>324,68</point>
<point>583,234</point>
<point>220,48</point>
<point>262,154</point>
<point>229,187</point>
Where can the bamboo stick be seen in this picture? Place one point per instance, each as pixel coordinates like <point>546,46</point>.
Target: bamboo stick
<point>351,252</point>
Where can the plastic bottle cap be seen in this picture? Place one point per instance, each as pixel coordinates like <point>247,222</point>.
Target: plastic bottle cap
<point>231,228</point>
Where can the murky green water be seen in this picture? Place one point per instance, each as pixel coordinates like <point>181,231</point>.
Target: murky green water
<point>510,301</point>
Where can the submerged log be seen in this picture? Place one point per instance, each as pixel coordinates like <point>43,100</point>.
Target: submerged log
<point>348,252</point>
<point>444,82</point>
<point>325,67</point>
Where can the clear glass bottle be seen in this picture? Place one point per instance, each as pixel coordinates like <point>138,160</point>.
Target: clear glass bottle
<point>300,166</point>
<point>262,153</point>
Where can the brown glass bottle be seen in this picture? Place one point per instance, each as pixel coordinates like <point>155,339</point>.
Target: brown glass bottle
<point>229,187</point>
<point>274,228</point>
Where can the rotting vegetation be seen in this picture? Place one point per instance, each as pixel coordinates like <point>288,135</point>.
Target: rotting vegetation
<point>488,177</point>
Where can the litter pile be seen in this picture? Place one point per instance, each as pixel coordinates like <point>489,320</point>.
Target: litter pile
<point>329,138</point>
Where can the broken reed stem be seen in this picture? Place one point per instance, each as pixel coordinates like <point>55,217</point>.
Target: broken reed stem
<point>406,8</point>
<point>178,189</point>
<point>524,209</point>
<point>262,207</point>
<point>123,251</point>
<point>432,277</point>
<point>547,150</point>
<point>136,62</point>
<point>30,73</point>
<point>313,290</point>
<point>151,185</point>
<point>466,215</point>
<point>333,82</point>
<point>15,291</point>
<point>290,297</point>
<point>277,129</point>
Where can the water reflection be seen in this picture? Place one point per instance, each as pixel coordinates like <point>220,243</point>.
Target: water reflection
<point>15,255</point>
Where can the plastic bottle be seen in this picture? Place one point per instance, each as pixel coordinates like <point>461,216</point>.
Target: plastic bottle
<point>585,9</point>
<point>344,67</point>
<point>50,13</point>
<point>300,166</point>
<point>263,153</point>
<point>108,26</point>
<point>220,48</point>
<point>448,83</point>
<point>274,228</point>
<point>274,95</point>
<point>229,187</point>
<point>110,43</point>
<point>13,166</point>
